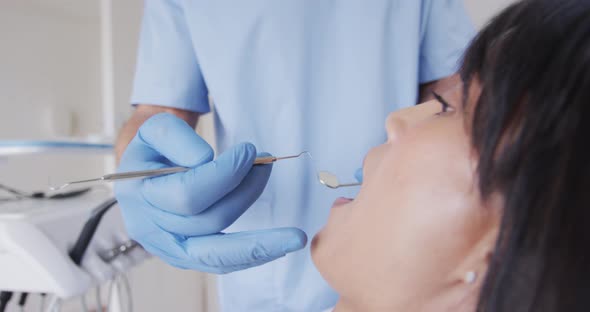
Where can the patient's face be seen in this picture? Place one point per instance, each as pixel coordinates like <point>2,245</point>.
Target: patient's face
<point>417,217</point>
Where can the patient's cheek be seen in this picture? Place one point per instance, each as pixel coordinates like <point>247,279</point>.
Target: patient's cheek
<point>372,159</point>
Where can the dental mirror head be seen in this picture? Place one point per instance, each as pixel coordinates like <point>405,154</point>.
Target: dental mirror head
<point>331,180</point>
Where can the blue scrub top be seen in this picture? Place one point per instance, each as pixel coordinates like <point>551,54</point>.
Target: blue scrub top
<point>289,76</point>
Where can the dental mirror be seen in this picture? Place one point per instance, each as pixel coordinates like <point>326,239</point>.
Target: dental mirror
<point>331,180</point>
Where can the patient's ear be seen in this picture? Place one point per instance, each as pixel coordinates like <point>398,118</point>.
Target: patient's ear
<point>487,245</point>
<point>479,256</point>
<point>475,265</point>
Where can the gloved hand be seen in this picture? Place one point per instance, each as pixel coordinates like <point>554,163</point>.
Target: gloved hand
<point>179,217</point>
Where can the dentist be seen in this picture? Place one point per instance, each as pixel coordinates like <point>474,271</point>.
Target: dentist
<point>285,76</point>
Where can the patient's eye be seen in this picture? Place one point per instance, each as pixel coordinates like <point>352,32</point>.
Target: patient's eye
<point>446,107</point>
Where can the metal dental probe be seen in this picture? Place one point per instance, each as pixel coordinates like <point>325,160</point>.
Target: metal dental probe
<point>163,171</point>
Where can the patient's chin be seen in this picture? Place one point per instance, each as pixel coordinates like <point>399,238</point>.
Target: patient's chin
<point>314,247</point>
<point>318,253</point>
<point>323,257</point>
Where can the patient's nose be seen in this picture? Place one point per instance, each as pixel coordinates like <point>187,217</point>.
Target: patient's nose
<point>404,120</point>
<point>395,126</point>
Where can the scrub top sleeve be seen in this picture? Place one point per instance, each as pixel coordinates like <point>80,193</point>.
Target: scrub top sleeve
<point>167,71</point>
<point>446,32</point>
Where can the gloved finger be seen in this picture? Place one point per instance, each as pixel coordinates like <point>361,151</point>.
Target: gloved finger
<point>161,137</point>
<point>359,175</point>
<point>170,249</point>
<point>222,213</point>
<point>139,156</point>
<point>166,246</point>
<point>174,139</point>
<point>242,250</point>
<point>223,253</point>
<point>191,192</point>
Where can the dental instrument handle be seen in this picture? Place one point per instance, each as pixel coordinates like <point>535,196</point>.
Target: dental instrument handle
<point>156,172</point>
<point>143,173</point>
<point>265,160</point>
<point>162,171</point>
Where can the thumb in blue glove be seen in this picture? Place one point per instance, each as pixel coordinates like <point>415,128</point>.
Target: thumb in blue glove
<point>179,217</point>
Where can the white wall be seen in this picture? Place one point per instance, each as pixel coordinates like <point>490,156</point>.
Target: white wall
<point>48,88</point>
<point>482,10</point>
<point>49,64</point>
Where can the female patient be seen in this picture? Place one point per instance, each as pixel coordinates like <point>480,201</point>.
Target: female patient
<point>480,200</point>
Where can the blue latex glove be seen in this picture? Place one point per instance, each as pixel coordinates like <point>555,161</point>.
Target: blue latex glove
<point>358,174</point>
<point>179,217</point>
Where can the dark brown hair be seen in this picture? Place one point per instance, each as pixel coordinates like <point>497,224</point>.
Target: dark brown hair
<point>531,129</point>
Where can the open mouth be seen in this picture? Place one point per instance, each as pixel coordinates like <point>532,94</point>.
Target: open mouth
<point>341,201</point>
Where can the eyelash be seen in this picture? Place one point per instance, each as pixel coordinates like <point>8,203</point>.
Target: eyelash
<point>445,105</point>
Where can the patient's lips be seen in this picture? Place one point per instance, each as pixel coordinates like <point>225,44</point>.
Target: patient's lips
<point>341,201</point>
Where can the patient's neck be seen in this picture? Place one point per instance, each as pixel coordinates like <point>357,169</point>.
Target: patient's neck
<point>454,299</point>
<point>344,305</point>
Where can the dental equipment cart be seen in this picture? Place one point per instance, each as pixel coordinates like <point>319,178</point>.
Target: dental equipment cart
<point>36,239</point>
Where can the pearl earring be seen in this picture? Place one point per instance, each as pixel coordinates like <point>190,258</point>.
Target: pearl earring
<point>470,277</point>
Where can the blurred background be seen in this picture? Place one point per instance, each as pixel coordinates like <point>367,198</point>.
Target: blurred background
<point>66,71</point>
